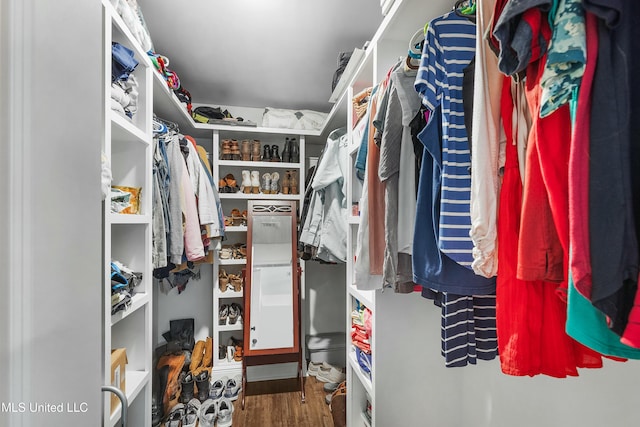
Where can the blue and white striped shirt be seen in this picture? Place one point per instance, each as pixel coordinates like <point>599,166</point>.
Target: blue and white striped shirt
<point>449,48</point>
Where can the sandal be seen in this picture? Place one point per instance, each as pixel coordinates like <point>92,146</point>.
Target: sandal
<point>223,280</point>
<point>236,282</point>
<point>236,216</point>
<point>240,251</point>
<point>235,313</point>
<point>232,183</point>
<point>226,252</point>
<point>228,221</point>
<point>222,314</point>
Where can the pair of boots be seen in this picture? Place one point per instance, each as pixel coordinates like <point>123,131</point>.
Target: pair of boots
<point>271,154</point>
<point>291,151</point>
<point>250,182</point>
<point>270,183</point>
<point>199,368</point>
<point>290,182</point>
<point>230,150</point>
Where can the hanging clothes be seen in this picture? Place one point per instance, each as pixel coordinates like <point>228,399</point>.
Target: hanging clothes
<point>448,49</point>
<point>326,225</point>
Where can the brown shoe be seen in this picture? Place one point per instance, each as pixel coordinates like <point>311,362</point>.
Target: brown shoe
<point>255,151</point>
<point>245,150</point>
<point>226,150</point>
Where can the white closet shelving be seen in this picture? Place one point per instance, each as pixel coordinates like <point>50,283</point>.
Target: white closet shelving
<point>222,333</point>
<point>127,237</point>
<point>390,363</point>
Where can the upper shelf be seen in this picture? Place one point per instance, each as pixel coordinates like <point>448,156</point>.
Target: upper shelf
<point>239,163</point>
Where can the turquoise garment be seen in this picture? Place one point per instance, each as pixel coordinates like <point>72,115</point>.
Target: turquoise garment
<point>587,325</point>
<point>566,57</point>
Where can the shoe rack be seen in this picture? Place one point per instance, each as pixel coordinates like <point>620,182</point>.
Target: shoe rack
<point>250,157</point>
<point>127,146</point>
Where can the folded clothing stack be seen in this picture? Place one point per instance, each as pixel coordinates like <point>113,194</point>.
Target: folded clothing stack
<point>124,86</point>
<point>131,14</point>
<point>123,283</point>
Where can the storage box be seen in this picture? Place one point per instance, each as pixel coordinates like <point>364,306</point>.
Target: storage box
<point>118,373</point>
<point>327,347</point>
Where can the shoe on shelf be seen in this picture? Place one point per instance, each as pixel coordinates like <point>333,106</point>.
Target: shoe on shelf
<point>286,182</point>
<point>295,151</point>
<point>333,375</point>
<point>191,414</point>
<point>236,282</point>
<point>223,280</point>
<point>235,313</point>
<point>274,183</point>
<point>226,150</point>
<point>293,181</point>
<point>255,150</point>
<point>222,314</point>
<point>245,150</point>
<point>226,252</point>
<point>255,182</point>
<point>266,183</point>
<point>235,150</point>
<point>208,413</point>
<point>231,352</point>
<point>236,216</point>
<point>286,151</point>
<point>222,352</point>
<point>246,182</point>
<point>232,183</point>
<point>275,157</point>
<point>217,388</point>
<point>266,155</point>
<point>225,412</point>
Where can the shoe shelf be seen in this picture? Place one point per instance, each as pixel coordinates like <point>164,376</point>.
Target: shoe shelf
<point>225,328</point>
<point>259,165</point>
<point>242,261</point>
<point>235,229</point>
<point>137,301</point>
<point>261,196</point>
<point>225,364</point>
<point>362,377</point>
<point>135,382</point>
<point>226,294</point>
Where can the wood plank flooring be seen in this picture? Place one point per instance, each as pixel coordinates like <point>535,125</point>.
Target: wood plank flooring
<point>277,404</point>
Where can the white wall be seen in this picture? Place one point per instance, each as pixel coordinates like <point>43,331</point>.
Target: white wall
<point>50,238</point>
<point>194,302</point>
<point>420,391</point>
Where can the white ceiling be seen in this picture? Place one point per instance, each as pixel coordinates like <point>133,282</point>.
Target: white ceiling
<point>259,53</point>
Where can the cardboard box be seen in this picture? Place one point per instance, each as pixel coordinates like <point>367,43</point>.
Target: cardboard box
<point>118,373</point>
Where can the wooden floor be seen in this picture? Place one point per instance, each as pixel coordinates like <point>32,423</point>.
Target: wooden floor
<point>277,404</point>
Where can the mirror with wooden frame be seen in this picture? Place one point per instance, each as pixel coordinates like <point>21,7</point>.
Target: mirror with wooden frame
<point>272,308</point>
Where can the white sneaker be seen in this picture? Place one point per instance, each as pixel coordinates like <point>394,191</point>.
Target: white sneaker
<point>333,375</point>
<point>314,368</point>
<point>192,413</point>
<point>217,388</point>
<point>208,413</point>
<point>225,412</point>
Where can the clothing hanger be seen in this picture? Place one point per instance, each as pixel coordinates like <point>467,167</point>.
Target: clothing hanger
<point>465,9</point>
<point>415,50</point>
<point>159,128</point>
<point>170,125</point>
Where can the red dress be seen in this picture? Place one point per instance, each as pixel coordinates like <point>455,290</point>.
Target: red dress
<point>530,316</point>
